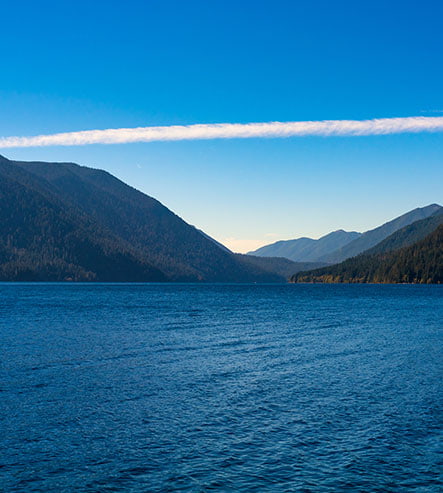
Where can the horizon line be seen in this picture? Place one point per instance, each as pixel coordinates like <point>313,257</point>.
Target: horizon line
<point>206,131</point>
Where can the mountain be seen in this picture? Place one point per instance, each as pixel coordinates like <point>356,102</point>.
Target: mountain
<point>279,265</point>
<point>307,249</point>
<point>61,221</point>
<point>42,239</point>
<point>409,234</point>
<point>220,245</point>
<point>420,263</point>
<point>373,237</point>
<point>340,245</point>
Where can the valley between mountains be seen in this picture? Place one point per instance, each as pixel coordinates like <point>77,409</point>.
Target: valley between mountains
<point>65,222</point>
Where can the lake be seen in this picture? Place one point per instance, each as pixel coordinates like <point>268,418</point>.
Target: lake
<point>193,387</point>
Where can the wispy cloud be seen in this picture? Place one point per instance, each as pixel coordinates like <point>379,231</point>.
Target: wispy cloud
<point>325,128</point>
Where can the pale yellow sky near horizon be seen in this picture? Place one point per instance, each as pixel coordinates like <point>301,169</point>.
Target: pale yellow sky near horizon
<point>244,245</point>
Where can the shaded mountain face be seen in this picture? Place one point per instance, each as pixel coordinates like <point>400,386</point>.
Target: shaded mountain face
<point>63,221</point>
<point>373,237</point>
<point>421,263</point>
<point>41,239</point>
<point>307,249</point>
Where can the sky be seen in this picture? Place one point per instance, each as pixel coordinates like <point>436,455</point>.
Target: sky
<point>77,66</point>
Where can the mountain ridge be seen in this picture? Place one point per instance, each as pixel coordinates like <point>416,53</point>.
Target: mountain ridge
<point>62,221</point>
<point>353,243</point>
<point>307,249</point>
<point>419,263</point>
<point>38,230</point>
<point>114,219</point>
<point>374,236</point>
<point>408,235</point>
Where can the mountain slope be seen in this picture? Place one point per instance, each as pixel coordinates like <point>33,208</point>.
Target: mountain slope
<point>371,238</point>
<point>220,245</point>
<point>409,234</point>
<point>43,240</point>
<point>421,263</point>
<point>307,249</point>
<point>278,265</point>
<point>112,218</point>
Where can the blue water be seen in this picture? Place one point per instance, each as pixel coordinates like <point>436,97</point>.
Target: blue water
<point>220,388</point>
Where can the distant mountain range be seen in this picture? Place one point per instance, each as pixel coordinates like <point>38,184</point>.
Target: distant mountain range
<point>61,221</point>
<point>409,234</point>
<point>64,222</point>
<point>374,236</point>
<point>307,249</point>
<point>340,245</point>
<point>413,254</point>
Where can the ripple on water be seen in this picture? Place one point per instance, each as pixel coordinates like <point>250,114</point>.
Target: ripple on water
<point>218,387</point>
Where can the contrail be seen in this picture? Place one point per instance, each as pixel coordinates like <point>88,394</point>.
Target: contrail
<point>325,128</point>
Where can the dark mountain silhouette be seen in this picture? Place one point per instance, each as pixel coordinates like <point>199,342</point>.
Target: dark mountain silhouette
<point>62,221</point>
<point>421,262</point>
<point>373,237</point>
<point>43,240</point>
<point>307,249</point>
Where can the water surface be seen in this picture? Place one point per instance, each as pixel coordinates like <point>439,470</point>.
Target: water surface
<point>220,388</point>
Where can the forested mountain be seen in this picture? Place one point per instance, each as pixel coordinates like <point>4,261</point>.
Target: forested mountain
<point>371,238</point>
<point>62,221</point>
<point>421,263</point>
<point>43,240</point>
<point>409,234</point>
<point>340,245</point>
<point>307,249</point>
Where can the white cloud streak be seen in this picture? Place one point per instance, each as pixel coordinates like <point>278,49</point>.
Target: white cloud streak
<point>324,128</point>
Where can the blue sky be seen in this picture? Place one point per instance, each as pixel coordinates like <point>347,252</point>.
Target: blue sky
<point>71,66</point>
